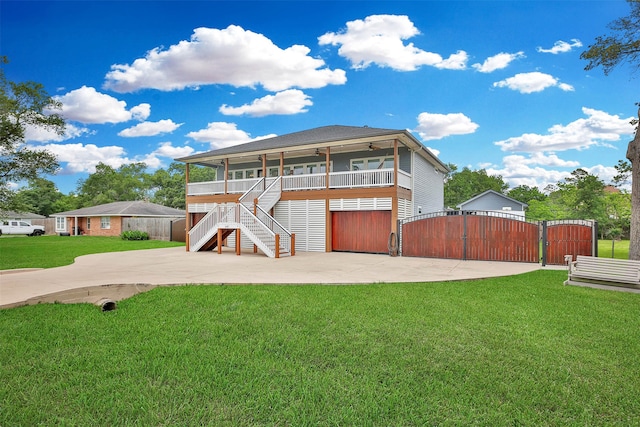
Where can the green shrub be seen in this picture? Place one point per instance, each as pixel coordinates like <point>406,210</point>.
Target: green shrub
<point>134,235</point>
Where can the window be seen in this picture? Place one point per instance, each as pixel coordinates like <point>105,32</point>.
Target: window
<point>372,163</point>
<point>105,222</point>
<point>61,223</point>
<point>274,171</point>
<point>88,223</point>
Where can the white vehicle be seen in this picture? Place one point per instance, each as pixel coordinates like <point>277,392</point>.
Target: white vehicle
<point>20,227</point>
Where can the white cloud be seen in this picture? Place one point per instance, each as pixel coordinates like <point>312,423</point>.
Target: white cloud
<point>39,134</point>
<point>497,62</point>
<point>141,112</point>
<point>86,105</point>
<point>150,128</point>
<point>595,129</point>
<point>437,126</point>
<point>561,47</point>
<point>379,39</point>
<point>292,101</point>
<point>231,56</point>
<point>166,149</point>
<point>532,82</point>
<point>84,158</point>
<point>435,151</point>
<point>223,134</point>
<point>540,159</point>
<point>516,174</point>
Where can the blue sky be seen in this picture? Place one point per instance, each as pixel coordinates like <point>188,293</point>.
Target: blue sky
<point>485,84</point>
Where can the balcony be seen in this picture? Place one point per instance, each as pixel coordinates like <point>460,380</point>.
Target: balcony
<point>337,180</point>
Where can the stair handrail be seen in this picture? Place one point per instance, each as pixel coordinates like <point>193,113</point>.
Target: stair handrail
<point>259,233</point>
<point>286,237</point>
<point>248,198</point>
<point>199,232</point>
<point>271,194</point>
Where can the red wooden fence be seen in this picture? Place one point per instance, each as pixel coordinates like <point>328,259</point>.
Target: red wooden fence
<point>490,236</point>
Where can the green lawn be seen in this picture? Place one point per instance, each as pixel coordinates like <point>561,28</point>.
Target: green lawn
<point>55,251</point>
<point>521,350</point>
<point>619,248</point>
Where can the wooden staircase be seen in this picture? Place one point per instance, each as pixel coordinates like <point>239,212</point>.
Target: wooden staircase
<point>248,217</point>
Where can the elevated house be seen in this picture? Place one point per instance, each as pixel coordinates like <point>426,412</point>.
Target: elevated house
<point>332,188</point>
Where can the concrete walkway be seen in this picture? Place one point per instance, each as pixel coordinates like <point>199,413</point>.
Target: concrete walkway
<point>118,275</point>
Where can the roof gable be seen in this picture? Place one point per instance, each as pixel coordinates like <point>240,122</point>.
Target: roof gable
<point>491,194</point>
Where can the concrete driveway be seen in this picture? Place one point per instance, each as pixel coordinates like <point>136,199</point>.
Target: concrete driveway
<point>118,275</point>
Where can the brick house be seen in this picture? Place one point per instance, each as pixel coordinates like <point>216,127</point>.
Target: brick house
<point>107,219</point>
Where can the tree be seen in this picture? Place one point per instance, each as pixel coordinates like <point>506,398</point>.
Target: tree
<point>463,185</point>
<point>106,184</point>
<point>525,194</point>
<point>620,47</point>
<point>168,186</point>
<point>608,52</point>
<point>22,105</point>
<point>624,173</point>
<point>585,195</point>
<point>39,197</point>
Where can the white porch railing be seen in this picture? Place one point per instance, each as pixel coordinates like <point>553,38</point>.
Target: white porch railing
<point>404,180</point>
<point>366,178</point>
<point>348,179</point>
<point>316,181</point>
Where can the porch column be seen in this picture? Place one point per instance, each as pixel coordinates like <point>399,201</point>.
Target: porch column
<point>394,198</point>
<point>187,223</point>
<point>226,174</point>
<point>327,212</point>
<point>264,167</point>
<point>281,163</point>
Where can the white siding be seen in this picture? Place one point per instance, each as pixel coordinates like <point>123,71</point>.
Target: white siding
<point>363,204</point>
<point>404,209</point>
<point>307,220</point>
<point>200,207</point>
<point>428,186</point>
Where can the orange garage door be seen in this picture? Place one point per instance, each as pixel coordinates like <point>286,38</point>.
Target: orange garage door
<point>361,231</point>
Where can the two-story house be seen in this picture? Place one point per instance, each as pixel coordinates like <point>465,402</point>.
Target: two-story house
<point>332,188</point>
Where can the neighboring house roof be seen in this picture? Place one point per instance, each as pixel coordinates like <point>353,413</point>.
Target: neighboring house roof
<point>324,136</point>
<point>492,193</point>
<point>20,215</point>
<point>133,208</point>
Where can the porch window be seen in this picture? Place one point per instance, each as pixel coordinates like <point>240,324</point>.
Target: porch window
<point>372,163</point>
<point>88,223</point>
<point>273,172</point>
<point>61,223</point>
<point>238,175</point>
<point>298,170</point>
<point>105,222</point>
<point>249,174</point>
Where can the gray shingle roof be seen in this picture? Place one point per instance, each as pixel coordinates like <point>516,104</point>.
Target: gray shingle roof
<point>133,208</point>
<point>312,136</point>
